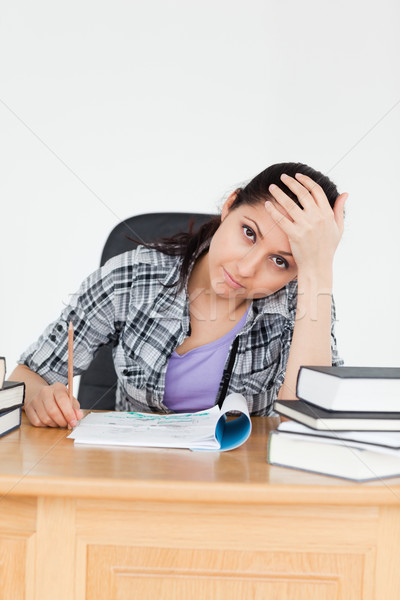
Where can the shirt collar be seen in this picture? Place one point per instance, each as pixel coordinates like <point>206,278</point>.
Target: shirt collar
<point>278,303</point>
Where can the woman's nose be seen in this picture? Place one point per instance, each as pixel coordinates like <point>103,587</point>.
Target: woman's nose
<point>249,263</point>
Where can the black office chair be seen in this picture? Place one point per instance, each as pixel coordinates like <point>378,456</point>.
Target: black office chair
<point>98,383</point>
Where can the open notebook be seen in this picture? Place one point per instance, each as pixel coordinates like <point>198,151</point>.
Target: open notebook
<point>203,430</point>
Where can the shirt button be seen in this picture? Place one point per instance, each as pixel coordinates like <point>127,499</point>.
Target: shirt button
<point>53,338</point>
<point>59,328</point>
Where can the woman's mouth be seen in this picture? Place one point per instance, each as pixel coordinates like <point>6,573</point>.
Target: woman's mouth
<point>230,281</point>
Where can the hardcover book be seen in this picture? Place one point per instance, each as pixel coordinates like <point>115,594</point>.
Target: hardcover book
<point>10,420</point>
<point>319,418</point>
<point>11,395</point>
<point>371,389</point>
<point>385,439</point>
<point>2,370</point>
<point>338,458</point>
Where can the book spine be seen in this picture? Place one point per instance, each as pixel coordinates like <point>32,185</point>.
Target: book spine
<point>14,427</point>
<point>4,411</point>
<point>2,371</point>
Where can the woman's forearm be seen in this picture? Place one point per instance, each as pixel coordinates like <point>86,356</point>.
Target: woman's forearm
<point>311,342</point>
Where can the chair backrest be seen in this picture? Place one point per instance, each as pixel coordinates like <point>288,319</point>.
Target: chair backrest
<point>98,383</point>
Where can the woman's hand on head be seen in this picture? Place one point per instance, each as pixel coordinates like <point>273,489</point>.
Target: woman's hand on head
<point>314,232</point>
<point>51,406</point>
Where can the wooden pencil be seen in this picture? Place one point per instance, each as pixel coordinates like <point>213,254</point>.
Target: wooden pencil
<point>70,363</point>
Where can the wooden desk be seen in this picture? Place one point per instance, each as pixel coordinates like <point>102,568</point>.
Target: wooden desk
<point>84,522</point>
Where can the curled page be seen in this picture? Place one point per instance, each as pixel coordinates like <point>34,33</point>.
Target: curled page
<point>234,432</point>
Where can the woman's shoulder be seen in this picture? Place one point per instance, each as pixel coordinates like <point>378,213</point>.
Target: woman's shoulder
<point>149,257</point>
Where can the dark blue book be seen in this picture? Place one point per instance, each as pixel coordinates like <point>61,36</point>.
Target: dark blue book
<point>337,420</point>
<point>10,420</point>
<point>12,395</point>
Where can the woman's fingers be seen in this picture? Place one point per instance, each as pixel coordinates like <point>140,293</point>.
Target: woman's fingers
<point>54,412</point>
<point>314,189</point>
<point>284,222</point>
<point>309,193</point>
<point>292,209</point>
<point>52,407</point>
<point>311,197</point>
<point>304,195</point>
<point>34,417</point>
<point>76,406</point>
<point>64,405</point>
<point>43,406</point>
<point>313,228</point>
<point>338,210</point>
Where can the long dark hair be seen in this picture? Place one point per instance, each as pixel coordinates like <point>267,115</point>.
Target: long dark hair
<point>189,244</point>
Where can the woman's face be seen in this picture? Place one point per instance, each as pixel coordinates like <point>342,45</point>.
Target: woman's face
<point>249,256</point>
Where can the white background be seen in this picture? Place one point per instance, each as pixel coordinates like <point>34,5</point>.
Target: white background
<point>109,109</point>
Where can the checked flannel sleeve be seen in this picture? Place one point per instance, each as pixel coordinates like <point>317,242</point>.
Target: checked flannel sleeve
<point>97,312</point>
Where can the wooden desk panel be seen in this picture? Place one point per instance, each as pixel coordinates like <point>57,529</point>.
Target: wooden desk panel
<point>85,522</point>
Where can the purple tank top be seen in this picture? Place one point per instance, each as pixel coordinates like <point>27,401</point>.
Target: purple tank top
<point>192,379</point>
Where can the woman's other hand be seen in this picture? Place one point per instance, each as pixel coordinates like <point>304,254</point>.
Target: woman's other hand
<point>314,232</point>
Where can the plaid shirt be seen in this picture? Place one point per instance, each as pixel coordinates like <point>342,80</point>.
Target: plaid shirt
<point>126,303</point>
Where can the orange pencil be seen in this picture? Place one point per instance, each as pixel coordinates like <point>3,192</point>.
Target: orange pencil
<point>70,362</point>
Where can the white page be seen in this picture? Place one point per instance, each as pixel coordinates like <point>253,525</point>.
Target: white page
<point>148,429</point>
<point>384,438</point>
<point>235,402</point>
<point>337,441</point>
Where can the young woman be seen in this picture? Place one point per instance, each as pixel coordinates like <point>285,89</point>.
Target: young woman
<point>237,307</point>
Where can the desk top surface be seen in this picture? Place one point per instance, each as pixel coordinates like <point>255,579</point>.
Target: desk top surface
<point>42,461</point>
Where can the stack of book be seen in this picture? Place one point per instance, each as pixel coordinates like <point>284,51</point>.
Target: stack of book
<point>12,394</point>
<point>346,423</point>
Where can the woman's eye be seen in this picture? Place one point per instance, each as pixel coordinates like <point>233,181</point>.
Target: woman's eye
<point>249,233</point>
<point>280,262</point>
